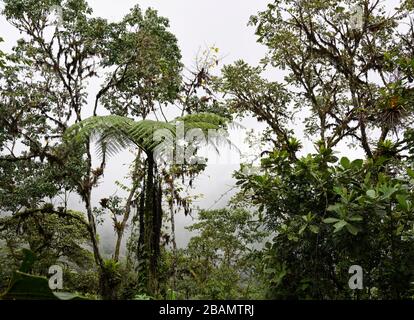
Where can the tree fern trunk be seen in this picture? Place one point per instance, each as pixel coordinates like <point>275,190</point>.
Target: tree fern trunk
<point>148,247</point>
<point>149,212</point>
<point>173,240</point>
<point>156,236</point>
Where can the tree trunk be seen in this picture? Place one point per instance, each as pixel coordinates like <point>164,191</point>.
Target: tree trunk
<point>156,237</point>
<point>150,230</point>
<point>119,236</point>
<point>128,206</point>
<point>106,288</point>
<point>121,231</point>
<point>140,248</point>
<point>174,242</point>
<point>107,283</point>
<point>92,230</point>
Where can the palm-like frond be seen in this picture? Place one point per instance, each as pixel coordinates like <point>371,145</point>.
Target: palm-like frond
<point>203,121</point>
<point>209,121</point>
<point>115,133</point>
<point>142,133</point>
<point>111,131</point>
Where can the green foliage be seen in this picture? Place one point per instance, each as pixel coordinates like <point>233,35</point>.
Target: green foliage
<point>334,85</point>
<point>326,215</point>
<point>83,282</point>
<point>28,287</point>
<point>25,286</point>
<point>52,235</point>
<point>328,218</point>
<point>350,81</point>
<point>116,132</point>
<point>142,297</point>
<point>240,78</point>
<point>148,60</point>
<point>220,261</point>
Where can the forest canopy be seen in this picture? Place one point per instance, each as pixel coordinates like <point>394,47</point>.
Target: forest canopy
<point>299,220</point>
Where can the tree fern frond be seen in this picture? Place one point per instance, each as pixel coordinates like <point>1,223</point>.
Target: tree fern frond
<point>142,132</point>
<point>210,118</point>
<point>111,131</point>
<point>116,133</point>
<point>204,126</point>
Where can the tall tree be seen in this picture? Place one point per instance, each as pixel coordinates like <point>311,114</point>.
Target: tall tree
<point>335,55</point>
<point>347,67</point>
<point>118,132</point>
<point>46,89</point>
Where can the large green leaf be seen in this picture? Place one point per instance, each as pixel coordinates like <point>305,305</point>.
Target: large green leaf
<point>331,220</point>
<point>115,133</point>
<point>339,225</point>
<point>345,162</point>
<point>25,286</point>
<point>352,229</point>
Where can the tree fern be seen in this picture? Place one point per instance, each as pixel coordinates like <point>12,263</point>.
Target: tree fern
<point>115,133</point>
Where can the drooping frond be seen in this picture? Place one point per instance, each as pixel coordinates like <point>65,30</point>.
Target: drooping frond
<point>111,132</point>
<point>115,133</point>
<point>143,133</point>
<point>210,124</point>
<point>203,121</point>
<point>88,128</point>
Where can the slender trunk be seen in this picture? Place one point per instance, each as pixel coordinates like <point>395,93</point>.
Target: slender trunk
<point>140,248</point>
<point>141,213</point>
<point>107,287</point>
<point>121,231</point>
<point>174,243</point>
<point>135,183</point>
<point>119,236</point>
<point>356,103</point>
<point>86,193</point>
<point>149,207</point>
<point>156,236</point>
<point>92,231</point>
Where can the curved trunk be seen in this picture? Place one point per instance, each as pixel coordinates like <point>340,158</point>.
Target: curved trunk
<point>107,285</point>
